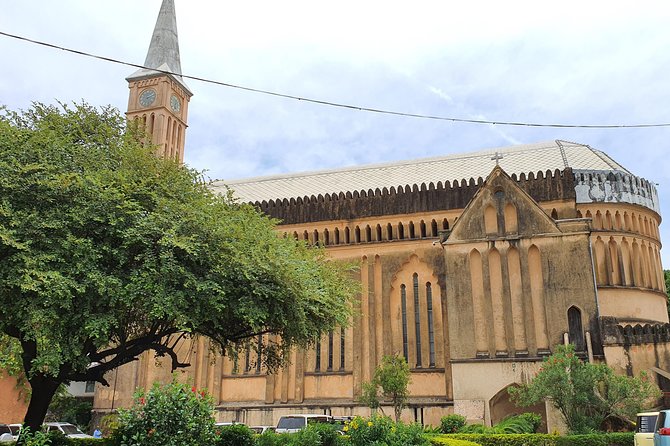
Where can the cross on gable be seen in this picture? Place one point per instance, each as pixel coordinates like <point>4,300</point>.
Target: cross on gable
<point>497,157</point>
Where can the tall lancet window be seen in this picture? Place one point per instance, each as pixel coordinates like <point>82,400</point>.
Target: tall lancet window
<point>330,350</point>
<point>403,300</point>
<point>342,357</point>
<point>417,319</point>
<point>431,331</point>
<point>575,331</point>
<point>317,351</point>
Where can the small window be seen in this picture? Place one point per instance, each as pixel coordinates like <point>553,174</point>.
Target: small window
<point>646,423</point>
<point>90,387</point>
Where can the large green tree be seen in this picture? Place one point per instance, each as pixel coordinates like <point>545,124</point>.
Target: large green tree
<point>585,394</point>
<point>107,251</point>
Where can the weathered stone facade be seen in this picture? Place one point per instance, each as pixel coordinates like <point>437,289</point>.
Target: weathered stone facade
<point>473,281</point>
<point>494,283</point>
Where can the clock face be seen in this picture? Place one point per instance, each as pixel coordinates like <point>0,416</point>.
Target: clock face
<point>175,103</point>
<point>147,97</point>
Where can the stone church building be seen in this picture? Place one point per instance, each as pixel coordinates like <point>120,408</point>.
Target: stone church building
<point>474,267</point>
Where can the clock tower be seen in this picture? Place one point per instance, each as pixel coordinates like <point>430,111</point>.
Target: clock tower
<point>158,95</point>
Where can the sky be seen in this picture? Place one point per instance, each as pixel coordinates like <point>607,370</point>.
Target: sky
<point>563,62</point>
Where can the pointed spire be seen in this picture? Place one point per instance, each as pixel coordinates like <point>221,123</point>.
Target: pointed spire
<point>163,51</point>
<point>164,47</point>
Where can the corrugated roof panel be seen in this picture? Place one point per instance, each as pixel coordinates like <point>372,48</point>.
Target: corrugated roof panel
<point>516,160</point>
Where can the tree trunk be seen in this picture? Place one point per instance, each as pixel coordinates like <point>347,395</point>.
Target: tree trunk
<point>43,390</point>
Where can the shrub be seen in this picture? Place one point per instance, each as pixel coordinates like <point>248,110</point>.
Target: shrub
<point>109,424</point>
<point>378,430</point>
<point>452,423</point>
<point>272,439</point>
<point>308,436</point>
<point>526,423</point>
<point>600,439</point>
<point>34,438</point>
<point>174,414</point>
<point>328,434</point>
<point>441,440</point>
<point>407,434</point>
<point>473,429</point>
<point>235,435</point>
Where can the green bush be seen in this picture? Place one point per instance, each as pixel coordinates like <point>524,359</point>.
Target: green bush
<point>235,435</point>
<point>272,439</point>
<point>378,430</point>
<point>474,429</point>
<point>173,414</point>
<point>308,436</point>
<point>33,438</point>
<point>328,434</point>
<point>526,423</point>
<point>59,439</point>
<point>441,440</point>
<point>452,423</point>
<point>599,439</point>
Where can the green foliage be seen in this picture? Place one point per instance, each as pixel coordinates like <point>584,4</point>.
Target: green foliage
<point>609,439</point>
<point>58,439</point>
<point>235,435</point>
<point>390,381</point>
<point>36,438</point>
<point>318,434</point>
<point>585,394</point>
<point>174,414</point>
<point>328,434</point>
<point>272,439</point>
<point>370,395</point>
<point>441,440</point>
<point>379,430</point>
<point>452,423</point>
<point>104,244</point>
<point>11,364</point>
<point>474,429</point>
<point>307,436</point>
<point>600,439</point>
<point>526,423</point>
<point>66,408</point>
<point>109,424</point>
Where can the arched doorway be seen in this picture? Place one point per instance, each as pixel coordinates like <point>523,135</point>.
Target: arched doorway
<point>501,407</point>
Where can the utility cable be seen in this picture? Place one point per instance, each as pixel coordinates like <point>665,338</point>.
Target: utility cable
<point>337,104</point>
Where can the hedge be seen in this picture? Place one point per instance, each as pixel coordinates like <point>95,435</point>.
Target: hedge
<point>444,440</point>
<point>601,439</point>
<point>61,440</point>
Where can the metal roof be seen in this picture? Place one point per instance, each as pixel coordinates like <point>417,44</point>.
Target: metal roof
<point>517,159</point>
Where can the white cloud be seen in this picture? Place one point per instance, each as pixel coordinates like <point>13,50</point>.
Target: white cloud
<point>578,62</point>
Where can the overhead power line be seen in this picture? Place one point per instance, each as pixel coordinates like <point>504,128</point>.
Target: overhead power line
<point>337,104</point>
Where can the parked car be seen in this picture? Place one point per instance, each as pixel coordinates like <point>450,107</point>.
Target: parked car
<point>69,430</point>
<point>340,422</point>
<point>644,430</point>
<point>662,429</point>
<point>289,424</point>
<point>5,433</point>
<point>262,429</point>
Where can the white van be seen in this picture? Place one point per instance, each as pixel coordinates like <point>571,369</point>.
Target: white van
<point>289,424</point>
<point>644,430</point>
